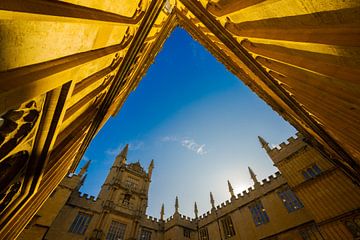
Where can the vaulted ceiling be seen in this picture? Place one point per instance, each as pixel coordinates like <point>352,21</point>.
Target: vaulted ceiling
<point>72,64</point>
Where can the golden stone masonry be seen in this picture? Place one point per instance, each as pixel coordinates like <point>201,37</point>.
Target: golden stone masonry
<point>301,202</point>
<point>66,66</point>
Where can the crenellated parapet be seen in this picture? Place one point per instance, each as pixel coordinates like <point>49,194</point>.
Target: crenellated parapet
<point>59,88</point>
<point>180,220</point>
<point>152,223</point>
<point>240,200</point>
<point>85,201</point>
<point>285,149</point>
<point>152,219</point>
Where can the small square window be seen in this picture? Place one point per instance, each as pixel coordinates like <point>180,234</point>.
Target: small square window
<point>311,172</point>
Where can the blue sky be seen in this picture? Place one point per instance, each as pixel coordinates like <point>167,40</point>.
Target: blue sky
<point>197,121</point>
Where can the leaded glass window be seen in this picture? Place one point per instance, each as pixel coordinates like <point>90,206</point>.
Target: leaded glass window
<point>311,172</point>
<point>258,213</point>
<point>145,234</point>
<point>80,223</point>
<point>116,231</point>
<point>310,232</point>
<point>290,200</point>
<point>204,234</point>
<point>228,227</point>
<point>187,233</point>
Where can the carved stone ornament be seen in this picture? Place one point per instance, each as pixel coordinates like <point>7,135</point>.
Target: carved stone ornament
<point>16,127</point>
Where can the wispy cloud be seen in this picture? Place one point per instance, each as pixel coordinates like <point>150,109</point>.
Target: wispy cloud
<point>133,146</point>
<point>193,146</point>
<point>169,139</point>
<point>187,143</point>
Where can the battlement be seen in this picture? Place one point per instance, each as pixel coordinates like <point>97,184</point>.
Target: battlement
<point>71,181</point>
<point>152,219</point>
<point>180,220</point>
<point>86,196</point>
<point>83,200</point>
<point>152,222</point>
<point>293,139</point>
<point>182,217</point>
<point>186,218</point>
<point>285,149</point>
<point>70,175</point>
<point>205,215</point>
<point>267,185</point>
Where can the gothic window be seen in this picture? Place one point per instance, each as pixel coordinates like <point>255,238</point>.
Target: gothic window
<point>353,225</point>
<point>204,234</point>
<point>228,227</point>
<point>126,200</point>
<point>258,213</point>
<point>311,172</point>
<point>186,233</point>
<point>80,223</point>
<point>290,200</point>
<point>116,231</point>
<point>145,234</point>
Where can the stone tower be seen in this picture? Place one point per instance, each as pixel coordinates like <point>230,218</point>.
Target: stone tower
<point>126,186</point>
<point>279,207</point>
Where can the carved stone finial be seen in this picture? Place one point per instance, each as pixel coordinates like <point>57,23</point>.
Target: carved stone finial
<point>212,201</point>
<point>253,177</point>
<point>122,155</point>
<point>196,210</point>
<point>150,168</point>
<point>162,212</point>
<point>264,144</point>
<point>176,204</point>
<point>231,189</point>
<point>84,169</point>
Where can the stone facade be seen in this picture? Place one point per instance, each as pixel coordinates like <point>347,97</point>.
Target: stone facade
<point>67,66</point>
<point>301,202</point>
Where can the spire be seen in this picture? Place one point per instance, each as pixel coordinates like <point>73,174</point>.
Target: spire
<point>231,190</point>
<point>150,168</point>
<point>253,177</point>
<point>264,144</point>
<point>196,210</point>
<point>122,155</point>
<point>212,201</point>
<point>176,205</point>
<point>81,182</point>
<point>162,212</point>
<point>84,169</point>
